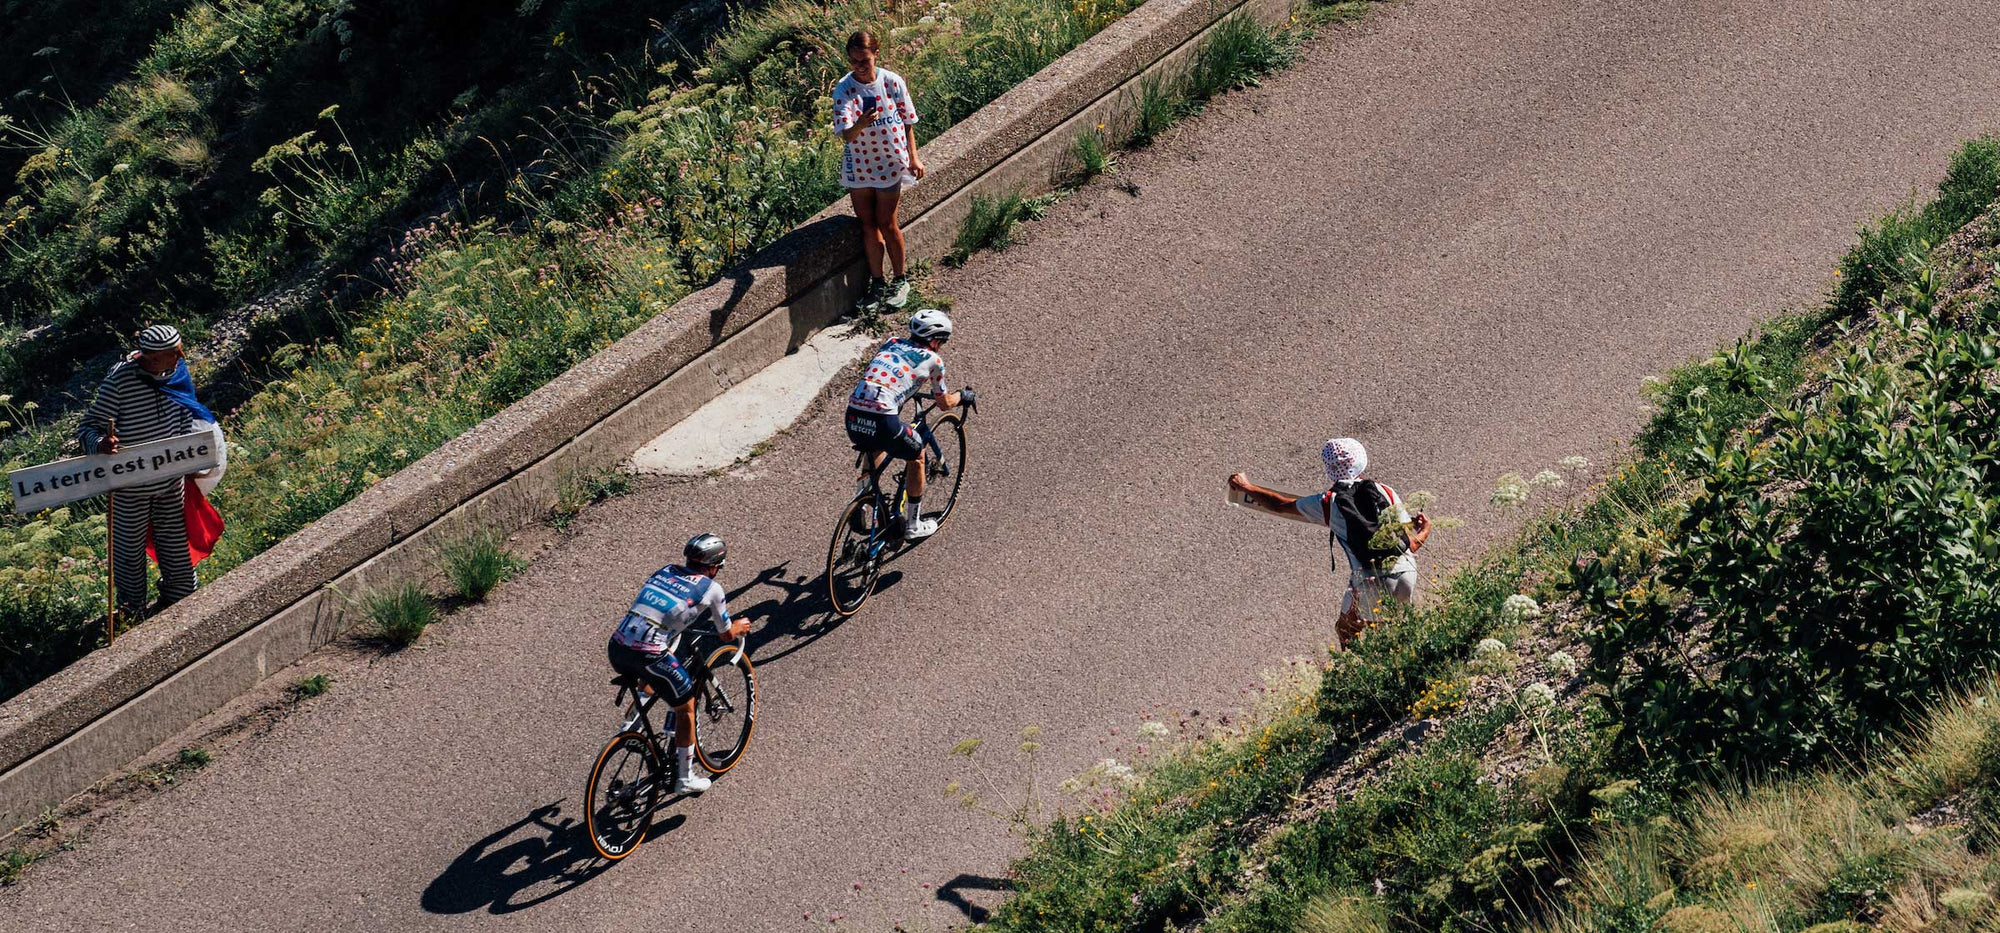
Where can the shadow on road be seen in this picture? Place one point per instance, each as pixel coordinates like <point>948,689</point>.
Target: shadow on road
<point>529,861</point>
<point>953,892</point>
<point>801,614</point>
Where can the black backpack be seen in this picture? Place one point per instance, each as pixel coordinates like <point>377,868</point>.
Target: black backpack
<point>1363,503</point>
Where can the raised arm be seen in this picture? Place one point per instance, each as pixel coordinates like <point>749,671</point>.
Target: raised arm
<point>1269,501</point>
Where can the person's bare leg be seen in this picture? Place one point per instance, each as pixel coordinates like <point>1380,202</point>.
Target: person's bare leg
<point>889,228</point>
<point>913,477</point>
<point>871,233</point>
<point>684,724</point>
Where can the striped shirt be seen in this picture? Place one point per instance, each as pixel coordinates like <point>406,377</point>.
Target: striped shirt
<point>143,414</point>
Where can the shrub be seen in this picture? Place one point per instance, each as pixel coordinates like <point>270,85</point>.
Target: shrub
<point>305,688</point>
<point>477,563</point>
<point>400,615</point>
<point>1831,566</point>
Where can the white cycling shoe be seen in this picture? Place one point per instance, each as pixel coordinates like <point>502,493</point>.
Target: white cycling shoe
<point>690,784</point>
<point>920,529</point>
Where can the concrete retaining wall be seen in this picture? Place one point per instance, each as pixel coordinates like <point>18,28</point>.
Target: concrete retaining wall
<point>109,708</point>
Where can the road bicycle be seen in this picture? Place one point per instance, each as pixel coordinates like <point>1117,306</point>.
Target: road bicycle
<point>869,533</point>
<point>636,768</point>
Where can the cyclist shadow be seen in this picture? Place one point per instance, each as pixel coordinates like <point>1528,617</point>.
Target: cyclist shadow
<point>531,860</point>
<point>953,893</point>
<point>799,615</point>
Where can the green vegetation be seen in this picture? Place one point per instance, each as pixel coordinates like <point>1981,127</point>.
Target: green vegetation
<point>1785,573</point>
<point>399,614</point>
<point>305,688</point>
<point>1837,851</point>
<point>647,190</point>
<point>477,563</point>
<point>582,490</point>
<point>171,771</point>
<point>1092,155</point>
<point>991,222</point>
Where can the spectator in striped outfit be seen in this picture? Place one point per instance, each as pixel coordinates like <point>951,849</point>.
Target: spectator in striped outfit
<point>148,396</point>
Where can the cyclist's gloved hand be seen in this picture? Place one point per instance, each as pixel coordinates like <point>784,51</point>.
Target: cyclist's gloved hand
<point>966,398</point>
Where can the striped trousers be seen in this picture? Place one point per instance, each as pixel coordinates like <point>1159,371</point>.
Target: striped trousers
<point>134,512</point>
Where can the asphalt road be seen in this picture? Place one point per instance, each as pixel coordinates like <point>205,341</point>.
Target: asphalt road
<point>1463,232</point>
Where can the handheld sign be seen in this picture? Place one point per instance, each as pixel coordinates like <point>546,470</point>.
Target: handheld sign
<point>51,484</point>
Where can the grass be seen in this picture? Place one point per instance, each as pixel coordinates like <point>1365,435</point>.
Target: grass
<point>1832,847</point>
<point>582,490</point>
<point>1092,155</point>
<point>990,223</point>
<point>477,563</point>
<point>186,760</point>
<point>305,688</point>
<point>399,615</point>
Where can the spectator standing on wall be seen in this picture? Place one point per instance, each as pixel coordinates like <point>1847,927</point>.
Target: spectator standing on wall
<point>1366,525</point>
<point>873,114</point>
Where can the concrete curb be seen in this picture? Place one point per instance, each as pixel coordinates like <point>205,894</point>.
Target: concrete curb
<point>65,734</point>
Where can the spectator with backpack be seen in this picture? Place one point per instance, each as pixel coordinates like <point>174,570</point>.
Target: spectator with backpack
<point>1366,525</point>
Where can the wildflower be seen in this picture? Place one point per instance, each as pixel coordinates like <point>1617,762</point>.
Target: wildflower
<point>1562,664</point>
<point>1519,608</point>
<point>1576,463</point>
<point>1539,695</point>
<point>1156,730</point>
<point>1698,392</point>
<point>1490,649</point>
<point>1547,479</point>
<point>1510,490</point>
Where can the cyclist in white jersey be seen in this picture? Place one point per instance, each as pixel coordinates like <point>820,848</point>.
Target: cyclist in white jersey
<point>673,599</point>
<point>874,422</point>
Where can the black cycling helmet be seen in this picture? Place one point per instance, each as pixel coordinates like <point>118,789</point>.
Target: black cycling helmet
<point>706,550</point>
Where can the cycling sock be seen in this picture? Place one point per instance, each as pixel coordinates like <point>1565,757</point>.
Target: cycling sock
<point>684,758</point>
<point>913,508</point>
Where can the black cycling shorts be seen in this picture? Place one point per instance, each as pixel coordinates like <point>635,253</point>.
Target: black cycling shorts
<point>663,672</point>
<point>875,432</point>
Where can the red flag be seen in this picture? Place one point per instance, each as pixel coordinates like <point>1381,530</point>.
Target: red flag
<point>204,525</point>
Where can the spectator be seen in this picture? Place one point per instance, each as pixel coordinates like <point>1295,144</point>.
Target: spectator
<point>873,114</point>
<point>1365,522</point>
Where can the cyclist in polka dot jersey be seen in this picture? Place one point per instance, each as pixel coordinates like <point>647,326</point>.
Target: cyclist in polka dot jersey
<point>873,114</point>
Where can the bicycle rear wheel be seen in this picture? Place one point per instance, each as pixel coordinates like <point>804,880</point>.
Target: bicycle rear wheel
<point>623,792</point>
<point>725,709</point>
<point>854,558</point>
<point>944,475</point>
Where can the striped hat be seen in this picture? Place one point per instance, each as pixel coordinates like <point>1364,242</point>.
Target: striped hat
<point>159,337</point>
<point>1344,458</point>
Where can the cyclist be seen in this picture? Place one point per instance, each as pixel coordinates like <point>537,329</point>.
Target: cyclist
<point>675,597</point>
<point>874,424</point>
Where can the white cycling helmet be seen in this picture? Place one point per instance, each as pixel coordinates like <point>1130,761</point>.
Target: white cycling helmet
<point>930,324</point>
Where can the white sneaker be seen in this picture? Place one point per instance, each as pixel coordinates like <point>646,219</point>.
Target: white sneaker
<point>919,529</point>
<point>690,784</point>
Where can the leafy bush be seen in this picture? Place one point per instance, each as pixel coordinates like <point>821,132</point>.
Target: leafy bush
<point>477,563</point>
<point>305,688</point>
<point>400,614</point>
<point>1832,566</point>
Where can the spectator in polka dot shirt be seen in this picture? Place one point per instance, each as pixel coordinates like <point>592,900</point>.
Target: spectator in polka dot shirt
<point>873,113</point>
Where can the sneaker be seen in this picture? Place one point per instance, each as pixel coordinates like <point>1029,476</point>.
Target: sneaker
<point>920,529</point>
<point>690,784</point>
<point>898,292</point>
<point>872,295</point>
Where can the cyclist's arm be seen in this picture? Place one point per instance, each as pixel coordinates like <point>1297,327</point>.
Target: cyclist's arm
<point>718,610</point>
<point>946,398</point>
<point>1271,501</point>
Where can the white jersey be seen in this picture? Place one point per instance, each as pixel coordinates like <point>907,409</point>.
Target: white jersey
<point>893,376</point>
<point>672,599</point>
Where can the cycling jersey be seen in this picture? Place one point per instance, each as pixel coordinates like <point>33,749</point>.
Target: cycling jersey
<point>673,599</point>
<point>894,374</point>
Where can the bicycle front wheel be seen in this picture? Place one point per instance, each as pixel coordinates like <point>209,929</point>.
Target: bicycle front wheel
<point>944,475</point>
<point>623,792</point>
<point>725,709</point>
<point>854,558</point>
